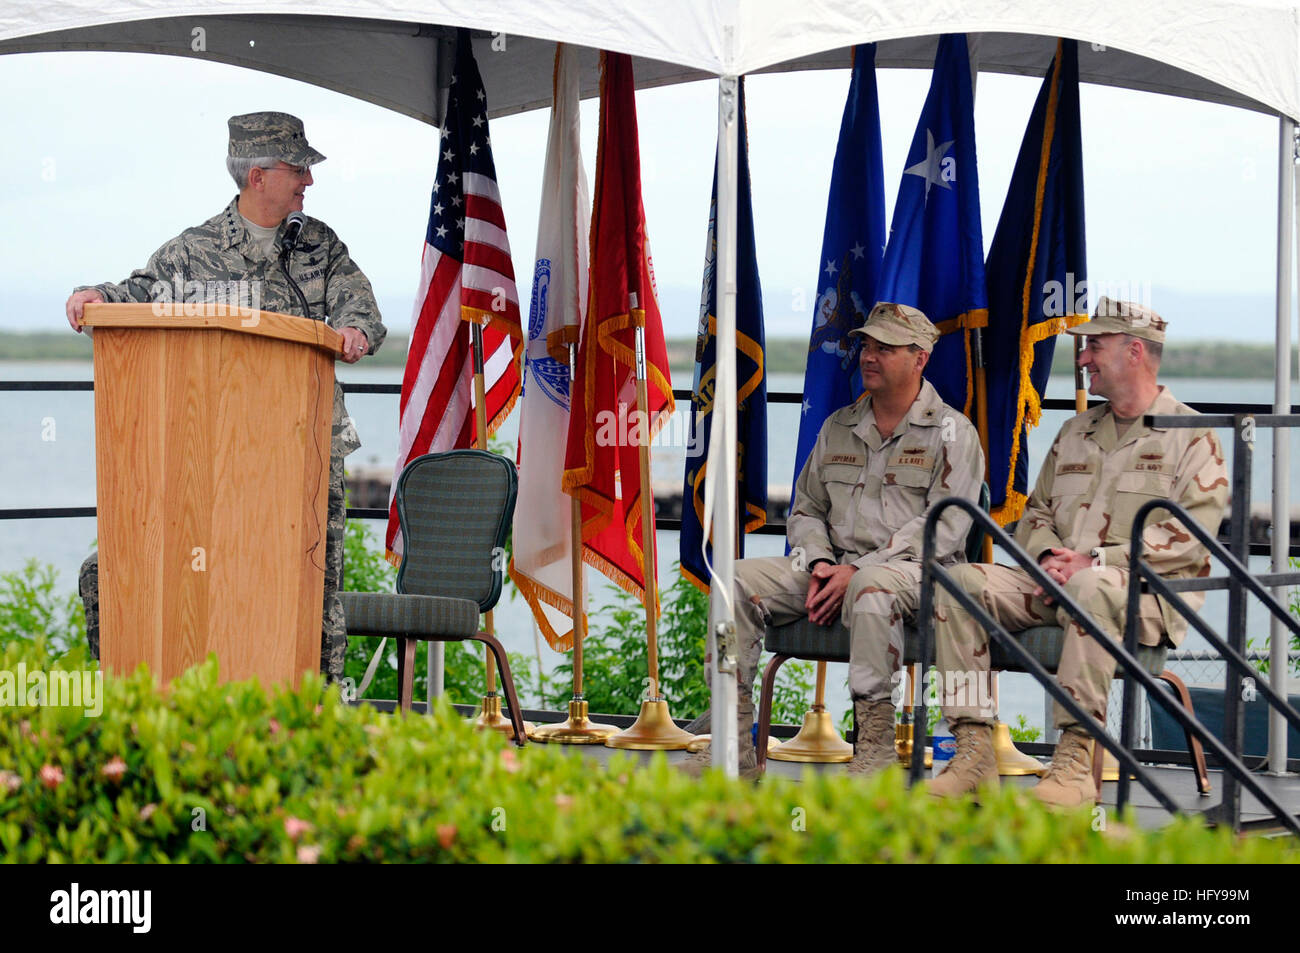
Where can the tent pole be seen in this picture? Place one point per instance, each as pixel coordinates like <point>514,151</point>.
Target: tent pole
<point>1278,635</point>
<point>726,743</point>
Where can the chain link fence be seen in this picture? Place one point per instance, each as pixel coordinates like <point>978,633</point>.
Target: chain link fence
<point>1196,667</point>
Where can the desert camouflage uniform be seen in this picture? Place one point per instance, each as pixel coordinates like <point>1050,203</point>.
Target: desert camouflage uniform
<point>214,258</point>
<point>861,500</point>
<point>1090,488</point>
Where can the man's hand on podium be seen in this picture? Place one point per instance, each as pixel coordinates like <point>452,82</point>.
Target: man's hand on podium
<point>355,344</point>
<point>77,301</point>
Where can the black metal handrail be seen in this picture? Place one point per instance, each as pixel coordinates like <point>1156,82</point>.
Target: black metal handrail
<point>932,571</point>
<point>1140,571</point>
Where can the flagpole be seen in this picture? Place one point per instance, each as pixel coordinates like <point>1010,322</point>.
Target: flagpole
<point>1080,393</point>
<point>490,708</point>
<point>654,728</point>
<point>577,729</point>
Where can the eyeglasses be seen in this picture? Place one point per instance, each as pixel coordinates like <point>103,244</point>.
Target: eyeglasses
<point>301,171</point>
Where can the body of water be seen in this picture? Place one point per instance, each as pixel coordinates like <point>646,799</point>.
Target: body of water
<point>49,460</point>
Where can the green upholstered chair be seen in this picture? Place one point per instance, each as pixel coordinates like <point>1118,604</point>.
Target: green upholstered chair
<point>455,510</point>
<point>1044,643</point>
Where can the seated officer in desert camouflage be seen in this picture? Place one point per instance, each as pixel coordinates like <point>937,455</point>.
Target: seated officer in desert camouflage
<point>1104,465</point>
<point>236,254</point>
<point>855,528</point>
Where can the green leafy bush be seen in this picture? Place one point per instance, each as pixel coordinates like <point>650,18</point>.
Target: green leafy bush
<point>1293,643</point>
<point>616,662</point>
<point>1023,731</point>
<point>231,773</point>
<point>31,609</point>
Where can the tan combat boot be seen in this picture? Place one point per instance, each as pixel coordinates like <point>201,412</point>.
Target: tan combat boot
<point>874,749</point>
<point>973,766</point>
<point>1069,782</point>
<point>702,760</point>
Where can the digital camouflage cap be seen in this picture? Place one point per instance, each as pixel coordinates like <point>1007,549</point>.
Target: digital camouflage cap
<point>274,135</point>
<point>1123,317</point>
<point>899,324</point>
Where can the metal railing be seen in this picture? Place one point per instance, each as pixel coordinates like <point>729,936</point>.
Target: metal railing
<point>1142,576</point>
<point>933,573</point>
<point>664,523</point>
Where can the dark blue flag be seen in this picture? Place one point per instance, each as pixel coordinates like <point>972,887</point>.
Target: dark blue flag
<point>935,257</point>
<point>751,381</point>
<point>849,267</point>
<point>1037,281</point>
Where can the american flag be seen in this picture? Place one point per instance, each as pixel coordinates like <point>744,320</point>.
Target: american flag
<point>465,275</point>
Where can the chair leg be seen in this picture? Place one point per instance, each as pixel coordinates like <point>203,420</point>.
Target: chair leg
<point>1098,765</point>
<point>508,683</point>
<point>1193,744</point>
<point>765,709</point>
<point>405,671</point>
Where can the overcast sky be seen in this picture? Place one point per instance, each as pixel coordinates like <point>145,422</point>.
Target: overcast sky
<point>108,155</point>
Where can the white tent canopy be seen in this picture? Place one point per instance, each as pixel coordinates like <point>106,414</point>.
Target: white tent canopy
<point>1241,54</point>
<point>397,54</point>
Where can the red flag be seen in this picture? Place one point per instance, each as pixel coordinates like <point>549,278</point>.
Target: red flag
<point>601,465</point>
<point>465,275</point>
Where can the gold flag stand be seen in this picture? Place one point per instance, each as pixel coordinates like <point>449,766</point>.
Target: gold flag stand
<point>1012,762</point>
<point>905,731</point>
<point>817,741</point>
<point>490,715</point>
<point>577,729</point>
<point>654,729</point>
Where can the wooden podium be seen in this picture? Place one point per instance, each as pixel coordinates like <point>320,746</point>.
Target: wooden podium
<point>212,453</point>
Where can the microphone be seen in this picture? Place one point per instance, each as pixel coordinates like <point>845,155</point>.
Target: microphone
<point>292,230</point>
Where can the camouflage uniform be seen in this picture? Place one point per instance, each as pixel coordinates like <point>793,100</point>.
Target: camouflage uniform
<point>861,500</point>
<point>1088,492</point>
<point>205,263</point>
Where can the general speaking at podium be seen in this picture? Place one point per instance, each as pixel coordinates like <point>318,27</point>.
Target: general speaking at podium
<point>263,252</point>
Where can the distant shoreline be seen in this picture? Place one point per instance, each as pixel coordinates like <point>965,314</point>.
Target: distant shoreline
<point>1219,359</point>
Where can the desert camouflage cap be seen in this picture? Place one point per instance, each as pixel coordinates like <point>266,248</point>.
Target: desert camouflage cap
<point>279,135</point>
<point>1123,317</point>
<point>899,324</point>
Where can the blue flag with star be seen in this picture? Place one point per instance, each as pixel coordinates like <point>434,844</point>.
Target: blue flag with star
<point>935,256</point>
<point>751,381</point>
<point>852,243</point>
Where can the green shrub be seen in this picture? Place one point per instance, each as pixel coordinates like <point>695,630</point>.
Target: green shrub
<point>1023,731</point>
<point>616,661</point>
<point>1293,642</point>
<point>31,610</point>
<point>232,773</point>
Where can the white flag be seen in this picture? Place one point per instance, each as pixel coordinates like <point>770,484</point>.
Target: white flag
<point>542,542</point>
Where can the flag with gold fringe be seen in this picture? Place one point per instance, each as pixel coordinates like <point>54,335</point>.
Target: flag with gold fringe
<point>602,458</point>
<point>1037,282</point>
<point>542,544</point>
<point>751,382</point>
<point>934,258</point>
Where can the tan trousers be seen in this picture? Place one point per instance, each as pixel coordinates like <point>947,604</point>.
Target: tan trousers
<point>1007,594</point>
<point>878,602</point>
